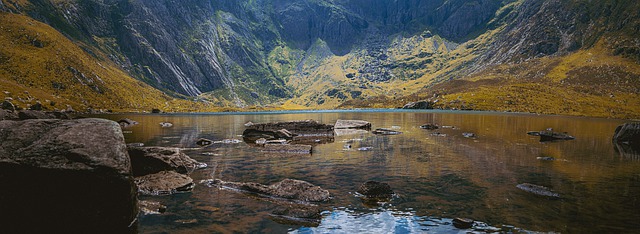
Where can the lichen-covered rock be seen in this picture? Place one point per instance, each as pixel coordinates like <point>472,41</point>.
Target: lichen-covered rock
<point>65,176</point>
<point>164,183</point>
<point>150,160</point>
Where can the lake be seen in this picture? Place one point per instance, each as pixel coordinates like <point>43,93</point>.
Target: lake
<point>436,177</point>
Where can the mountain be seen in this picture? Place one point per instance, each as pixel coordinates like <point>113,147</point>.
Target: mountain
<point>576,57</point>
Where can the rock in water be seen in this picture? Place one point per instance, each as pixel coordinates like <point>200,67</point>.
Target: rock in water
<point>429,126</point>
<point>626,140</point>
<point>462,223</point>
<point>126,123</point>
<point>628,133</point>
<point>352,124</point>
<point>538,190</point>
<point>65,176</point>
<point>386,131</point>
<point>375,189</point>
<point>149,160</point>
<point>164,183</point>
<point>287,188</point>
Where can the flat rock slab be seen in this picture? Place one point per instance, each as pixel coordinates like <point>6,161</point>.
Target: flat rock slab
<point>65,176</point>
<point>352,124</point>
<point>287,149</point>
<point>150,160</point>
<point>303,127</point>
<point>164,183</point>
<point>288,188</point>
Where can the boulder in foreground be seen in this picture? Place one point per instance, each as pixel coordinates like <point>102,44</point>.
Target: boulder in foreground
<point>65,176</point>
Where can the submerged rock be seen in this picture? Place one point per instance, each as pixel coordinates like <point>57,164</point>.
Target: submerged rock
<point>429,126</point>
<point>297,214</point>
<point>288,188</point>
<point>164,183</point>
<point>550,135</point>
<point>468,134</point>
<point>287,149</point>
<point>127,123</point>
<point>65,176</point>
<point>346,132</point>
<point>151,207</point>
<point>538,190</point>
<point>374,192</point>
<point>149,160</point>
<point>352,124</point>
<point>386,131</point>
<point>375,189</point>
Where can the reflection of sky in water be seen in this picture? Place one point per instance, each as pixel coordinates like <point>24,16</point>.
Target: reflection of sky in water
<point>347,221</point>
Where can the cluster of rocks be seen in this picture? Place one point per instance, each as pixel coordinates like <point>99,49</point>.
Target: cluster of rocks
<point>79,176</point>
<point>9,111</point>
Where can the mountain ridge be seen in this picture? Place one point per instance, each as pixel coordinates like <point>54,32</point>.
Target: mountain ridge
<point>339,53</point>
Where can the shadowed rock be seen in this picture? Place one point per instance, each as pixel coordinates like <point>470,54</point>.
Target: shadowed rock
<point>538,190</point>
<point>164,183</point>
<point>375,189</point>
<point>288,188</point>
<point>149,160</point>
<point>462,223</point>
<point>65,176</point>
<point>7,105</point>
<point>626,140</point>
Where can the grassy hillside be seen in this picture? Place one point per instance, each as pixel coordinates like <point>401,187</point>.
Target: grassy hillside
<point>591,82</point>
<point>37,63</point>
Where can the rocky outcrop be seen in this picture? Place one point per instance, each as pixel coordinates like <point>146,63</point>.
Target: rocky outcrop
<point>418,105</point>
<point>70,176</point>
<point>150,160</point>
<point>288,188</point>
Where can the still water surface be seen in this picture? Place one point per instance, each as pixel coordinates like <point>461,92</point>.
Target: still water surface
<point>436,177</point>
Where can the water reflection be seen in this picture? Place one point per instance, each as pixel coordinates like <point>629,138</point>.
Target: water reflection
<point>441,175</point>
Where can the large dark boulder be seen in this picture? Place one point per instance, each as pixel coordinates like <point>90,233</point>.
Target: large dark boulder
<point>7,105</point>
<point>150,160</point>
<point>288,188</point>
<point>626,140</point>
<point>65,176</point>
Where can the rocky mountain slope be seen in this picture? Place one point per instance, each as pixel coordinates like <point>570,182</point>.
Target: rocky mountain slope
<point>511,55</point>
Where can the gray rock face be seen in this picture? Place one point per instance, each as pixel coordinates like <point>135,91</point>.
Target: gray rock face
<point>150,160</point>
<point>164,183</point>
<point>70,176</point>
<point>287,188</point>
<point>418,105</point>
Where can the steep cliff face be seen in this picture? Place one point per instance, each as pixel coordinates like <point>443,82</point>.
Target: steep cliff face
<point>323,53</point>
